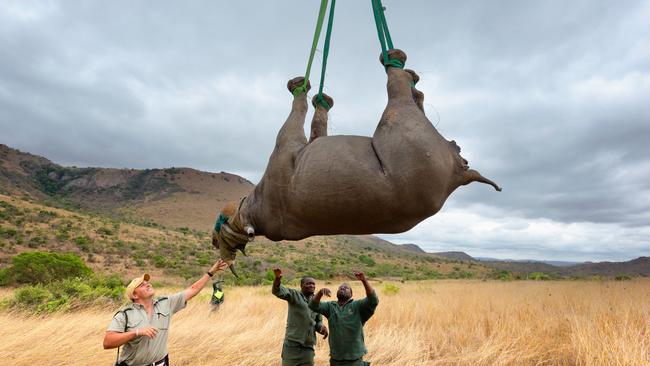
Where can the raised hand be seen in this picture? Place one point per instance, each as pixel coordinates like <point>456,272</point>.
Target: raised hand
<point>325,291</point>
<point>359,275</point>
<point>219,266</point>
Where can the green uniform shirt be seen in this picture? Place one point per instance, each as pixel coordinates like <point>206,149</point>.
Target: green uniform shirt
<point>301,321</point>
<point>346,325</point>
<point>142,350</point>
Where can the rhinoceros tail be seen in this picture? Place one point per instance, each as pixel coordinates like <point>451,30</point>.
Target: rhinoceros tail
<point>472,175</point>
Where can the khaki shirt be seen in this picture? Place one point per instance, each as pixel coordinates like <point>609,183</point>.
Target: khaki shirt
<point>142,350</point>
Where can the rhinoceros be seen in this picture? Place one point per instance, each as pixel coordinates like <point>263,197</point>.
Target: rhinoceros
<point>330,185</point>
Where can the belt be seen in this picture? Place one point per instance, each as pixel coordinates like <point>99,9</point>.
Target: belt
<point>161,362</point>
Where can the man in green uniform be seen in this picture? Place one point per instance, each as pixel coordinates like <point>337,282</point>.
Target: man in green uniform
<point>142,325</point>
<point>302,323</point>
<point>346,318</point>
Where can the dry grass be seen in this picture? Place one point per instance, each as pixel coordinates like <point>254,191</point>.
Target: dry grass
<point>428,323</point>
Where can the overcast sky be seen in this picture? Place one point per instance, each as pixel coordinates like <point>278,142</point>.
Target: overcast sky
<point>551,99</point>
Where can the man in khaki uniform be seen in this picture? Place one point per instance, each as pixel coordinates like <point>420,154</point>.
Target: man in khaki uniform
<point>142,325</point>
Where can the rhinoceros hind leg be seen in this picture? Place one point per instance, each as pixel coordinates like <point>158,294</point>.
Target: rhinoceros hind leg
<point>393,54</point>
<point>292,134</point>
<point>319,121</point>
<point>296,82</point>
<point>418,96</point>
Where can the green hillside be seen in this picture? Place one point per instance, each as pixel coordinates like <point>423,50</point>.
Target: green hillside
<point>174,255</point>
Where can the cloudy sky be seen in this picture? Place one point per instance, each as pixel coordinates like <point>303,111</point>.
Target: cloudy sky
<point>551,99</point>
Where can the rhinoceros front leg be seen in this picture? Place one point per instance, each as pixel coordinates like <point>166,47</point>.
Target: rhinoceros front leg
<point>319,121</point>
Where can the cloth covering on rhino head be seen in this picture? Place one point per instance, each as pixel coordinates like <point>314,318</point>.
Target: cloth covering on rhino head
<point>230,237</point>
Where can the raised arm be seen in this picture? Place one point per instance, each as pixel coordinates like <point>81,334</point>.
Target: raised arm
<point>315,304</point>
<point>197,286</point>
<point>366,285</point>
<point>278,290</point>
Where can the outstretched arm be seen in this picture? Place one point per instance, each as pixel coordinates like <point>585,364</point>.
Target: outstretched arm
<point>366,285</point>
<point>315,304</point>
<point>197,286</point>
<point>278,290</point>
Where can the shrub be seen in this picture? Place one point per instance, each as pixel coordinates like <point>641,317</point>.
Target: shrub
<point>539,276</point>
<point>83,242</point>
<point>32,295</point>
<point>67,294</point>
<point>104,231</point>
<point>5,278</point>
<point>390,289</point>
<point>43,267</point>
<point>366,260</point>
<point>622,278</point>
<point>36,242</point>
<point>503,275</point>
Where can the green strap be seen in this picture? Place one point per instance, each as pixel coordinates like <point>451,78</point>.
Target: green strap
<point>326,50</point>
<point>384,34</point>
<point>319,25</point>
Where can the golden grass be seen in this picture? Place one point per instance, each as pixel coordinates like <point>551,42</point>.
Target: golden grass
<point>427,323</point>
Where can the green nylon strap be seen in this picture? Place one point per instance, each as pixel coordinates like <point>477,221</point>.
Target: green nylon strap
<point>384,34</point>
<point>326,50</point>
<point>319,25</point>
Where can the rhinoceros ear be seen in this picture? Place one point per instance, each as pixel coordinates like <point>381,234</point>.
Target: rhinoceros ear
<point>229,209</point>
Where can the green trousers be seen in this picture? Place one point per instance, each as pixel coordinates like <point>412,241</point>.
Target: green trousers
<point>297,355</point>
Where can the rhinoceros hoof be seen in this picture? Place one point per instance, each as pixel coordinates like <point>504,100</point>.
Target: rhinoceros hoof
<point>393,54</point>
<point>296,82</point>
<point>327,98</point>
<point>414,75</point>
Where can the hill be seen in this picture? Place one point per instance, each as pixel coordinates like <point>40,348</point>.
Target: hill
<point>113,245</point>
<point>175,197</point>
<point>461,256</point>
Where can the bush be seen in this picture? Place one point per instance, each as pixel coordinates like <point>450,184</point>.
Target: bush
<point>43,267</point>
<point>32,295</point>
<point>366,260</point>
<point>83,242</point>
<point>539,276</point>
<point>68,294</point>
<point>390,289</point>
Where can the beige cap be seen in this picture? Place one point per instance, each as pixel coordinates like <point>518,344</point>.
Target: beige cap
<point>135,283</point>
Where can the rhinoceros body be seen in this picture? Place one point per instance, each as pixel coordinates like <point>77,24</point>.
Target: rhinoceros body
<point>386,183</point>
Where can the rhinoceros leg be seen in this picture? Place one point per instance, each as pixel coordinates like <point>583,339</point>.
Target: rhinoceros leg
<point>319,121</point>
<point>292,134</point>
<point>418,96</point>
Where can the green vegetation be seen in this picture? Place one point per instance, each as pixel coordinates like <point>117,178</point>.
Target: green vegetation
<point>54,282</point>
<point>43,267</point>
<point>390,289</point>
<point>68,294</point>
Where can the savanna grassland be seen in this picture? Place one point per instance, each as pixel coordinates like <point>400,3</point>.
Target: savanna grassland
<point>446,322</point>
<point>433,310</point>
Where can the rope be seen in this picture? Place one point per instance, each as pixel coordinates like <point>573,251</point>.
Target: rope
<point>319,25</point>
<point>384,35</point>
<point>326,50</point>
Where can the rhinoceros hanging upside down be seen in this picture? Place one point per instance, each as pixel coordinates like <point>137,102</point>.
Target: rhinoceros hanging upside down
<point>350,184</point>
